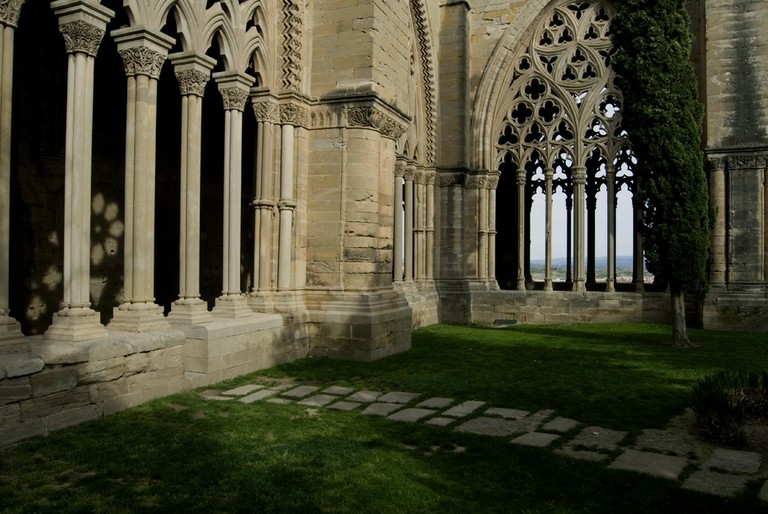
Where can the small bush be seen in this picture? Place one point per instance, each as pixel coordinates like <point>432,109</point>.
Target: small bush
<point>724,402</point>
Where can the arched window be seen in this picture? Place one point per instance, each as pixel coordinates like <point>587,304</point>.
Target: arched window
<point>563,155</point>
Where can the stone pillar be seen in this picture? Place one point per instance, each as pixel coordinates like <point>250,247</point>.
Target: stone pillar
<point>591,201</point>
<point>568,237</point>
<point>493,184</point>
<point>82,23</point>
<point>610,179</point>
<point>430,228</point>
<point>409,175</point>
<point>268,116</point>
<point>419,217</point>
<point>234,89</point>
<point>638,266</point>
<point>548,174</point>
<point>399,233</point>
<point>579,239</point>
<point>143,52</point>
<point>9,17</point>
<point>482,233</point>
<point>521,224</point>
<point>717,262</point>
<point>290,116</point>
<point>193,72</point>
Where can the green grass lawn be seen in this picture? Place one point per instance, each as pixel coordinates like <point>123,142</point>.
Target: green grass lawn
<point>187,454</point>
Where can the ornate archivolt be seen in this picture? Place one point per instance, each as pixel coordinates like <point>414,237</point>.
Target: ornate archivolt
<point>293,33</point>
<point>426,59</point>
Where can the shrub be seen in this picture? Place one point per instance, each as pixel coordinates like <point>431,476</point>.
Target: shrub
<point>724,402</point>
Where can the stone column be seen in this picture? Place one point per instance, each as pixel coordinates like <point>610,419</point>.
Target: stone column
<point>521,224</point>
<point>9,17</point>
<point>493,184</point>
<point>610,179</point>
<point>409,175</point>
<point>638,264</point>
<point>548,174</point>
<point>290,116</point>
<point>591,201</point>
<point>82,23</point>
<point>399,233</point>
<point>193,72</point>
<point>568,237</point>
<point>143,53</point>
<point>482,233</point>
<point>234,89</point>
<point>268,116</point>
<point>579,239</point>
<point>717,263</point>
<point>419,225</point>
<point>430,228</point>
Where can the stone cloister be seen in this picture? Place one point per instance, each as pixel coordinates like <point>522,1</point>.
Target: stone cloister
<point>191,190</point>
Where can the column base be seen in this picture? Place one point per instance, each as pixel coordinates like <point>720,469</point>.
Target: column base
<point>232,306</point>
<point>189,311</point>
<point>521,284</point>
<point>139,317</point>
<point>76,325</point>
<point>579,286</point>
<point>548,285</point>
<point>261,301</point>
<point>9,327</point>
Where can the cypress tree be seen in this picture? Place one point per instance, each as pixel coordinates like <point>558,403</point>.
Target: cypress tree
<point>663,117</point>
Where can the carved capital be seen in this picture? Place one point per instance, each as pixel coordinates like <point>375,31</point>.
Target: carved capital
<point>286,204</point>
<point>493,182</point>
<point>717,163</point>
<point>579,175</point>
<point>80,36</point>
<point>293,114</point>
<point>9,12</point>
<point>429,178</point>
<point>141,60</point>
<point>400,168</point>
<point>746,162</point>
<point>374,118</point>
<point>450,179</point>
<point>234,98</point>
<point>266,111</point>
<point>192,82</point>
<point>410,173</point>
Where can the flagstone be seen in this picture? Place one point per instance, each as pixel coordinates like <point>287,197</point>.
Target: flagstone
<point>243,390</point>
<point>435,403</point>
<point>280,401</point>
<point>338,390</point>
<point>582,454</point>
<point>382,409</point>
<point>536,439</point>
<point>656,464</point>
<point>439,421</point>
<point>364,396</point>
<point>663,442</point>
<point>344,405</point>
<point>463,409</point>
<point>763,494</point>
<point>560,425</point>
<point>491,426</point>
<point>258,395</point>
<point>398,397</point>
<point>318,400</point>
<point>300,392</point>
<point>734,461</point>
<point>712,482</point>
<point>598,438</point>
<point>411,415</point>
<point>507,413</point>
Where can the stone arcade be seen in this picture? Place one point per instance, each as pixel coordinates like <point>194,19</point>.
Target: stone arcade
<point>191,190</point>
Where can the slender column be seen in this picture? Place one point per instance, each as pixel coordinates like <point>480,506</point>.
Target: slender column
<point>143,53</point>
<point>397,243</point>
<point>579,240</point>
<point>268,116</point>
<point>493,184</point>
<point>717,263</point>
<point>286,205</point>
<point>234,89</point>
<point>482,258</point>
<point>591,203</point>
<point>82,24</point>
<point>548,174</point>
<point>409,174</point>
<point>521,224</point>
<point>430,228</point>
<point>419,225</point>
<point>610,178</point>
<point>9,17</point>
<point>638,265</point>
<point>193,72</point>
<point>568,237</point>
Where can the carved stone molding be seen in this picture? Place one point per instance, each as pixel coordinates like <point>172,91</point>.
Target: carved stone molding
<point>293,30</point>
<point>9,12</point>
<point>477,182</point>
<point>450,179</point>
<point>493,182</point>
<point>266,111</point>
<point>419,177</point>
<point>746,162</point>
<point>718,162</point>
<point>409,174</point>
<point>80,36</point>
<point>429,178</point>
<point>371,117</point>
<point>579,175</point>
<point>418,10</point>
<point>400,168</point>
<point>192,82</point>
<point>293,114</point>
<point>141,60</point>
<point>286,204</point>
<point>234,98</point>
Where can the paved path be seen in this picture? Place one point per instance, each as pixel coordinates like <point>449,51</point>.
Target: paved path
<point>725,472</point>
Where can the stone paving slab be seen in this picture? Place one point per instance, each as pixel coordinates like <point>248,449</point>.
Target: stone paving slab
<point>344,405</point>
<point>243,390</point>
<point>319,400</point>
<point>561,425</point>
<point>506,413</point>
<point>598,438</point>
<point>582,454</point>
<point>397,397</point>
<point>435,403</point>
<point>656,464</point>
<point>463,409</point>
<point>411,415</point>
<point>663,442</point>
<point>364,396</point>
<point>763,494</point>
<point>283,387</point>
<point>279,401</point>
<point>439,421</point>
<point>300,392</point>
<point>734,461</point>
<point>536,439</point>
<point>712,482</point>
<point>491,426</point>
<point>338,390</point>
<point>382,409</point>
<point>258,395</point>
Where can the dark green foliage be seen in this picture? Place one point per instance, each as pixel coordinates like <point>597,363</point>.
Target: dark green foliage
<point>723,403</point>
<point>663,116</point>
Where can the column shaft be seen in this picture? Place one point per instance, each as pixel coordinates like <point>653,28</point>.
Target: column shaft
<point>549,172</point>
<point>408,228</point>
<point>492,231</point>
<point>482,258</point>
<point>521,229</point>
<point>430,229</point>
<point>265,208</point>
<point>717,263</point>
<point>579,235</point>
<point>397,243</point>
<point>286,206</point>
<point>611,250</point>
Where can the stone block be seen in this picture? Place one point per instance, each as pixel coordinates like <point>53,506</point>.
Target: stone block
<point>463,409</point>
<point>439,421</point>
<point>73,417</point>
<point>491,426</point>
<point>364,396</point>
<point>734,461</point>
<point>536,439</point>
<point>339,390</point>
<point>14,434</point>
<point>560,425</point>
<point>382,409</point>
<point>102,370</point>
<point>54,380</point>
<point>10,415</point>
<point>15,390</point>
<point>300,392</point>
<point>435,403</point>
<point>598,438</point>
<point>103,391</point>
<point>719,484</point>
<point>397,397</point>
<point>344,406</point>
<point>318,400</point>
<point>243,390</point>
<point>136,363</point>
<point>411,415</point>
<point>59,353</point>
<point>665,466</point>
<point>54,403</point>
<point>507,413</point>
<point>19,364</point>
<point>663,442</point>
